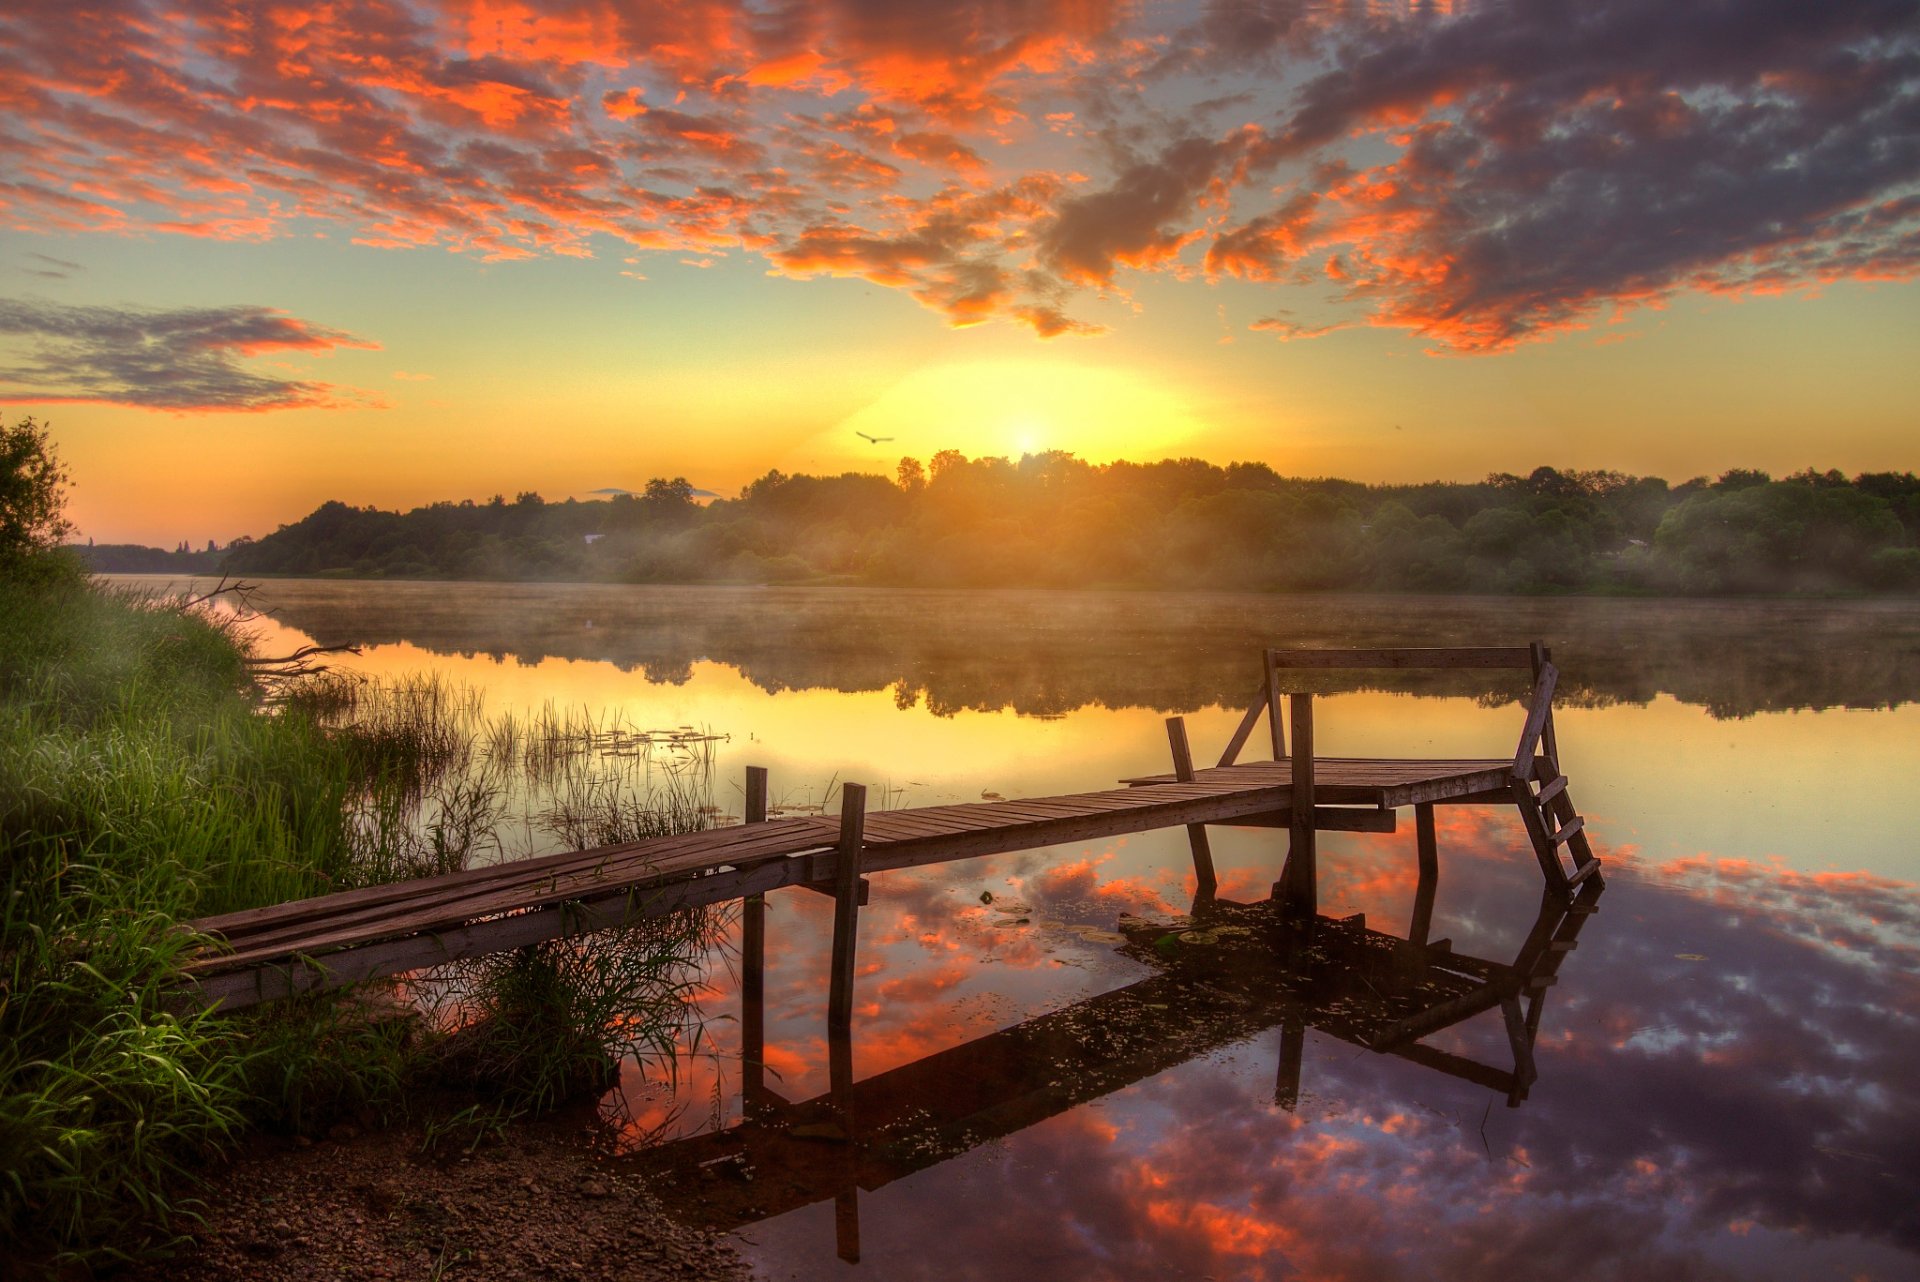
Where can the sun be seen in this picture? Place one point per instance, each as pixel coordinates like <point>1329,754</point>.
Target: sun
<point>1015,407</point>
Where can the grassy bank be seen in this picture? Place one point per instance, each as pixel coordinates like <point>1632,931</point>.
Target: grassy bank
<point>144,781</point>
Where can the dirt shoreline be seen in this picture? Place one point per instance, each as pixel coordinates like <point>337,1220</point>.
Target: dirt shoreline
<point>543,1203</point>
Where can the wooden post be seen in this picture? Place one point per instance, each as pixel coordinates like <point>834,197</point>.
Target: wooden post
<point>1274,723</point>
<point>1429,874</point>
<point>753,964</point>
<point>846,906</point>
<point>1196,833</point>
<point>1301,878</point>
<point>1549,741</point>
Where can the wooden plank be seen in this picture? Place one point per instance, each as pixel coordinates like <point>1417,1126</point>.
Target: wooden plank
<point>1591,868</point>
<point>1328,819</point>
<point>1245,729</point>
<point>1406,657</point>
<point>1203,874</point>
<point>586,871</point>
<point>281,977</point>
<point>1222,807</point>
<point>846,906</point>
<point>1553,788</point>
<point>1568,833</point>
<point>389,920</point>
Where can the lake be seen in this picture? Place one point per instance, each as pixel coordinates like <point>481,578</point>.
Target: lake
<point>1726,1082</point>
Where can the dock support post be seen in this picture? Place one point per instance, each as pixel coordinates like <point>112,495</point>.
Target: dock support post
<point>846,906</point>
<point>1203,874</point>
<point>1429,874</point>
<point>1300,882</point>
<point>753,965</point>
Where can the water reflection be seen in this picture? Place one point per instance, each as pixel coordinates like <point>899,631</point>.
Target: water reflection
<point>1725,1068</point>
<point>1049,653</point>
<point>1722,1088</point>
<point>1226,973</point>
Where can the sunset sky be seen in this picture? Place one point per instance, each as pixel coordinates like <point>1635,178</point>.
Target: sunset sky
<point>261,254</point>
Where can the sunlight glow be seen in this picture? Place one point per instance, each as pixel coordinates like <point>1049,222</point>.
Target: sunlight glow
<point>1013,407</point>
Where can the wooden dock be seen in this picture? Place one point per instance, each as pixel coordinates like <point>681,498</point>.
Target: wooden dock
<point>309,945</point>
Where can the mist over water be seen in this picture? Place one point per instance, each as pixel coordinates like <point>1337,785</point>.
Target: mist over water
<point>1725,1084</point>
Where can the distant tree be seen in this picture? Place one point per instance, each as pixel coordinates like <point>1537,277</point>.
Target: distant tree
<point>32,492</point>
<point>1742,478</point>
<point>910,476</point>
<point>944,462</point>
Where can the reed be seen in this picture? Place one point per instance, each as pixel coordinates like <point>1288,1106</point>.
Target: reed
<point>145,780</point>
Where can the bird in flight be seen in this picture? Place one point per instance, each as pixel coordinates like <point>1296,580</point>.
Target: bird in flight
<point>871,440</point>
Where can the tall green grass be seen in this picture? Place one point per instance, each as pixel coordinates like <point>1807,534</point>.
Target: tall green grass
<point>146,779</point>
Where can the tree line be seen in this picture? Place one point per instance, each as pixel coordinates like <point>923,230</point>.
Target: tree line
<point>1054,520</point>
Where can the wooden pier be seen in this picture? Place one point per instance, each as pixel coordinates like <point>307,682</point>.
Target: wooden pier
<point>309,945</point>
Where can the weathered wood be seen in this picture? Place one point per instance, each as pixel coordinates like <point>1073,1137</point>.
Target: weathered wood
<point>1562,836</point>
<point>1302,873</point>
<point>287,976</point>
<point>330,940</point>
<point>1329,819</point>
<point>1243,731</point>
<point>863,892</point>
<point>1537,714</point>
<point>1203,873</point>
<point>1379,782</point>
<point>1540,657</point>
<point>1406,657</point>
<point>1276,726</point>
<point>846,906</point>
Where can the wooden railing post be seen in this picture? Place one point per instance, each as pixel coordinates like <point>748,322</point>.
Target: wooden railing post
<point>1302,875</point>
<point>1274,723</point>
<point>1549,741</point>
<point>846,906</point>
<point>1196,833</point>
<point>753,963</point>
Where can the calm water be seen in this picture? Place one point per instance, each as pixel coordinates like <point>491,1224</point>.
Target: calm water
<point>1726,1065</point>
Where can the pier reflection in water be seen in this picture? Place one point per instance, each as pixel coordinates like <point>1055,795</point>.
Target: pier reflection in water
<point>1225,973</point>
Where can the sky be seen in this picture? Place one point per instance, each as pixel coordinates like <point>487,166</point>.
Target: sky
<point>263,253</point>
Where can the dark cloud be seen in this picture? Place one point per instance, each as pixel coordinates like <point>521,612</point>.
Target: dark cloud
<point>1481,174</point>
<point>1143,219</point>
<point>1558,159</point>
<point>186,359</point>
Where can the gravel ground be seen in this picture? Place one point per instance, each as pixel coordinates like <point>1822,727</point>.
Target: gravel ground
<point>538,1203</point>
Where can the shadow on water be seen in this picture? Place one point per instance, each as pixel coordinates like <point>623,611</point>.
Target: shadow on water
<point>1048,653</point>
<point>1223,974</point>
